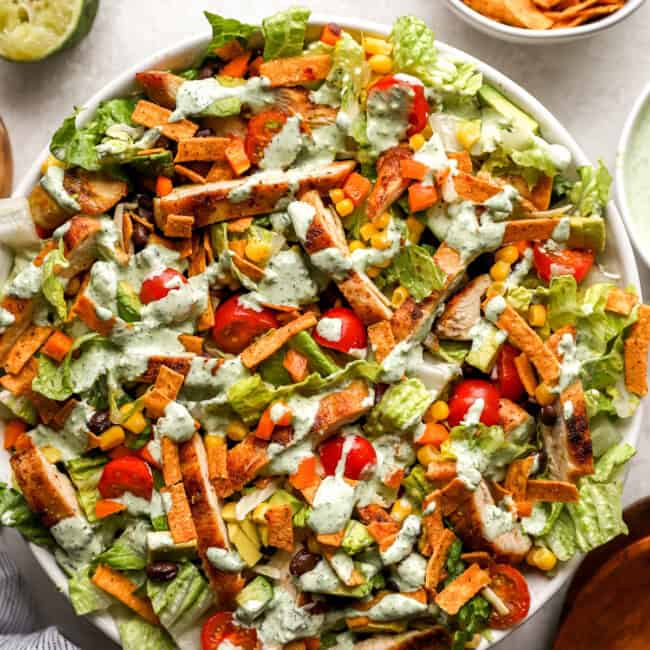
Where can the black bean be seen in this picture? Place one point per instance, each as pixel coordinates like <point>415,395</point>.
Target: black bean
<point>207,71</point>
<point>140,236</point>
<point>145,201</point>
<point>549,415</point>
<point>204,133</point>
<point>99,422</point>
<point>145,214</point>
<point>162,571</point>
<point>302,562</point>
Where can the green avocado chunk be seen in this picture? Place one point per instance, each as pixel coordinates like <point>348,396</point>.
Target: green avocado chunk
<point>491,96</point>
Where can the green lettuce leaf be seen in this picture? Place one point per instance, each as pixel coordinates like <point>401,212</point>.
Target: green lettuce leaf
<point>85,473</point>
<point>590,194</point>
<point>128,552</point>
<point>318,360</point>
<point>561,538</point>
<point>563,307</point>
<point>19,406</point>
<point>273,372</point>
<point>138,634</point>
<point>284,33</point>
<point>225,30</point>
<point>416,485</point>
<point>249,397</point>
<point>15,513</point>
<point>84,596</point>
<point>401,407</point>
<point>417,271</point>
<point>51,285</point>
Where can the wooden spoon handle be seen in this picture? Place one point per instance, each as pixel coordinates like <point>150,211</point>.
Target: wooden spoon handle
<point>6,162</point>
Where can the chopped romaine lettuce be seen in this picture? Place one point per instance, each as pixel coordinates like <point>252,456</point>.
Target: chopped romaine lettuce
<point>416,485</point>
<point>400,408</point>
<point>590,194</point>
<point>15,513</point>
<point>85,473</point>
<point>51,285</point>
<point>84,596</point>
<point>128,552</point>
<point>318,360</point>
<point>138,634</point>
<point>225,30</point>
<point>284,33</point>
<point>417,271</point>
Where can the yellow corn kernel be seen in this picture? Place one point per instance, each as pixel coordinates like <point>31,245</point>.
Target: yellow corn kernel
<point>136,422</point>
<point>542,558</point>
<point>438,411</point>
<point>228,512</point>
<point>500,271</point>
<point>544,395</point>
<point>382,220</point>
<point>384,265</point>
<point>468,133</point>
<point>475,642</point>
<point>380,63</point>
<point>52,454</point>
<point>51,161</point>
<point>236,430</point>
<point>367,231</point>
<point>356,245</point>
<point>113,437</point>
<point>312,545</point>
<point>416,141</point>
<point>495,289</point>
<point>428,454</point>
<point>380,241</point>
<point>427,131</point>
<point>507,254</point>
<point>259,514</point>
<point>337,195</point>
<point>415,228</point>
<point>257,251</point>
<point>399,296</point>
<point>537,315</point>
<point>376,45</point>
<point>401,509</point>
<point>373,271</point>
<point>345,207</point>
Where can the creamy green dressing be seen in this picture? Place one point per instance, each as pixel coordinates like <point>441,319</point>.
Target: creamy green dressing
<point>536,522</point>
<point>287,281</point>
<point>322,579</point>
<point>286,462</point>
<point>176,424</point>
<point>77,538</point>
<point>404,541</point>
<point>52,183</point>
<point>6,319</point>
<point>284,147</point>
<point>27,282</point>
<point>343,565</point>
<point>362,258</point>
<point>225,560</point>
<point>496,521</point>
<point>471,462</point>
<point>521,270</point>
<point>332,506</point>
<point>332,262</point>
<point>135,505</point>
<point>433,155</point>
<point>209,378</point>
<point>387,116</point>
<point>71,440</point>
<point>394,607</point>
<point>636,170</point>
<point>302,215</point>
<point>495,308</point>
<point>330,329</point>
<point>411,572</point>
<point>570,366</point>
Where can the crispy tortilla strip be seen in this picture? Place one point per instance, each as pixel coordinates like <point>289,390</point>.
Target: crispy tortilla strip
<point>86,310</point>
<point>270,343</point>
<point>220,171</point>
<point>588,14</point>
<point>22,311</point>
<point>160,86</point>
<point>511,415</point>
<point>253,271</point>
<point>364,297</point>
<point>463,159</point>
<point>383,532</point>
<point>353,579</point>
<point>342,407</point>
<point>26,347</point>
<point>636,353</point>
<point>529,230</point>
<point>558,491</point>
<point>191,343</point>
<point>476,190</point>
<point>180,366</point>
<point>171,462</point>
<point>48,492</point>
<point>452,496</point>
<point>179,517</point>
<point>441,471</point>
<point>244,461</point>
<point>436,563</point>
<point>462,589</point>
<point>21,384</point>
<point>389,185</point>
<point>539,196</point>
<point>621,302</point>
<point>517,477</point>
<point>240,225</point>
<point>482,558</point>
<point>523,337</point>
<point>167,386</point>
<point>381,339</point>
<point>178,225</point>
<point>150,115</point>
<point>491,8</point>
<point>216,448</point>
<point>296,70</point>
<point>553,341</point>
<point>190,174</point>
<point>155,403</point>
<point>524,13</point>
<point>374,512</point>
<point>119,586</point>
<point>332,540</point>
<point>526,374</point>
<point>202,149</point>
<point>279,519</point>
<point>296,364</point>
<point>198,262</point>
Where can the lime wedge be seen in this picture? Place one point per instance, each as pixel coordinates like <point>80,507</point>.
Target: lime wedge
<point>32,30</point>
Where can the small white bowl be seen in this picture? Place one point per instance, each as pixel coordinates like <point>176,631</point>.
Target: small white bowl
<point>540,36</point>
<point>642,245</point>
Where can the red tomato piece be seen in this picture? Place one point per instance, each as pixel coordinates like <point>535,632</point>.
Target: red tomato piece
<point>575,262</point>
<point>511,587</point>
<point>360,459</point>
<point>465,393</point>
<point>261,129</point>
<point>353,332</point>
<point>126,474</point>
<point>220,627</point>
<point>235,325</point>
<point>419,112</point>
<point>508,381</point>
<point>158,286</point>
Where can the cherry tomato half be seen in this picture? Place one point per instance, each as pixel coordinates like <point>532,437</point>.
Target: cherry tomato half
<point>158,286</point>
<point>352,334</point>
<point>419,112</point>
<point>575,262</point>
<point>508,381</point>
<point>126,474</point>
<point>511,587</point>
<point>261,129</point>
<point>361,457</point>
<point>235,325</point>
<point>465,393</point>
<point>220,627</point>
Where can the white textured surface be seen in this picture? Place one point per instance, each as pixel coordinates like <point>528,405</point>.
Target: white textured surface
<point>589,85</point>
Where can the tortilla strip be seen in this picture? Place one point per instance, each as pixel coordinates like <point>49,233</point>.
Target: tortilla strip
<point>249,269</point>
<point>190,174</point>
<point>216,448</point>
<point>86,310</point>
<point>178,225</point>
<point>524,13</point>
<point>471,188</point>
<point>452,496</point>
<point>150,115</point>
<point>555,491</point>
<point>621,302</point>
<point>463,159</point>
<point>526,374</point>
<point>441,471</point>
<point>202,149</point>
<point>191,343</point>
<point>21,383</point>
<point>296,70</point>
<point>553,341</point>
<point>22,311</point>
<point>26,347</point>
<point>279,520</point>
<point>636,353</point>
<point>180,365</point>
<point>436,563</point>
<point>482,558</point>
<point>383,532</point>
<point>333,540</point>
<point>462,589</point>
<point>179,516</point>
<point>171,462</point>
<point>517,477</point>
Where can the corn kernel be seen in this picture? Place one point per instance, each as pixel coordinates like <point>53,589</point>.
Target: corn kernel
<point>495,289</point>
<point>257,251</point>
<point>337,195</point>
<point>380,63</point>
<point>399,296</point>
<point>401,509</point>
<point>475,642</point>
<point>312,545</point>
<point>382,220</point>
<point>367,231</point>
<point>416,141</point>
<point>228,512</point>
<point>52,454</point>
<point>427,455</point>
<point>380,241</point>
<point>537,315</point>
<point>51,161</point>
<point>259,514</point>
<point>507,254</point>
<point>415,228</point>
<point>376,45</point>
<point>439,411</point>
<point>468,133</point>
<point>500,271</point>
<point>113,437</point>
<point>345,207</point>
<point>136,422</point>
<point>356,245</point>
<point>427,131</point>
<point>385,264</point>
<point>373,271</point>
<point>544,395</point>
<point>542,558</point>
<point>236,430</point>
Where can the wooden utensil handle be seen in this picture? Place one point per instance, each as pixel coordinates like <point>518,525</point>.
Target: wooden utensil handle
<point>6,162</point>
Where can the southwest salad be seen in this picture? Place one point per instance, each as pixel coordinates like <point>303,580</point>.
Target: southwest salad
<point>307,346</point>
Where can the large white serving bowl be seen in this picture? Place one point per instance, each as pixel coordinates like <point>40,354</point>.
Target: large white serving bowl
<point>618,257</point>
<point>539,36</point>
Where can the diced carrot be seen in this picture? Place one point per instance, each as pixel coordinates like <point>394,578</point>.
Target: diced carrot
<point>356,188</point>
<point>57,346</point>
<point>238,246</point>
<point>237,157</point>
<point>521,245</point>
<point>265,426</point>
<point>236,67</point>
<point>413,169</point>
<point>164,186</point>
<point>306,476</point>
<point>146,456</point>
<point>331,34</point>
<point>105,508</point>
<point>13,429</point>
<point>422,197</point>
<point>296,364</point>
<point>434,434</point>
<point>254,67</point>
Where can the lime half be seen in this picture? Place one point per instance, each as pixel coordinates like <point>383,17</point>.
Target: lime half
<point>32,30</point>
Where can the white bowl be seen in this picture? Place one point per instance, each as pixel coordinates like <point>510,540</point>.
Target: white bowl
<point>539,36</point>
<point>618,255</point>
<point>642,245</point>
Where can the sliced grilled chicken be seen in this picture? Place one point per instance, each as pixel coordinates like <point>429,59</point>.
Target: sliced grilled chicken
<point>80,245</point>
<point>22,310</point>
<point>160,86</point>
<point>296,101</point>
<point>370,304</point>
<point>511,415</point>
<point>435,638</point>
<point>390,184</point>
<point>463,311</point>
<point>96,193</point>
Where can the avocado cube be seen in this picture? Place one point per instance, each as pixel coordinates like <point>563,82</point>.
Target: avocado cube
<point>492,97</point>
<point>356,538</point>
<point>486,343</point>
<point>254,598</point>
<point>247,549</point>
<point>587,232</point>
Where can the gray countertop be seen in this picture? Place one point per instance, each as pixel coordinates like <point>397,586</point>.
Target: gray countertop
<point>590,86</point>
